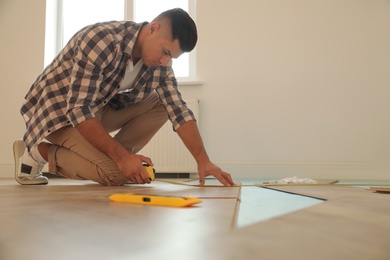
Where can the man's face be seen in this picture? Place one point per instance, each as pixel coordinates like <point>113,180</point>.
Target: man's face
<point>159,49</point>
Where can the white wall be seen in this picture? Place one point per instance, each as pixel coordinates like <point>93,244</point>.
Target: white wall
<point>22,30</point>
<point>289,87</point>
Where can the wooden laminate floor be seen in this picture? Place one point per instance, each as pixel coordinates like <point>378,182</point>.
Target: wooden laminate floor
<point>75,220</point>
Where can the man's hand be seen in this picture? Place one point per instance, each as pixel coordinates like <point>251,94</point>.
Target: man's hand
<point>131,166</point>
<point>210,169</point>
<point>190,136</point>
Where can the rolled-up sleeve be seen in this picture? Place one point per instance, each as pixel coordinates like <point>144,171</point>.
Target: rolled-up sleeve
<point>178,111</point>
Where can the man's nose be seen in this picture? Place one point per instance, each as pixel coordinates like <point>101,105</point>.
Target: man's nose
<point>165,60</point>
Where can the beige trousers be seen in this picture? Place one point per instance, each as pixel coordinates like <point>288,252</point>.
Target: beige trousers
<point>74,157</point>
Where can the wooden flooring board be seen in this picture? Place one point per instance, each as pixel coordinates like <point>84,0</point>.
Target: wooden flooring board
<point>354,224</point>
<point>62,220</point>
<point>75,220</point>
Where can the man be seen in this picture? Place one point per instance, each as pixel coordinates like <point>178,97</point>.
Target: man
<point>110,76</point>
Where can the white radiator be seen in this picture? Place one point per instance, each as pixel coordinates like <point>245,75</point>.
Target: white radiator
<point>167,151</point>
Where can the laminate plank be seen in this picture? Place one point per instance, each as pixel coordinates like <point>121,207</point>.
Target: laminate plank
<point>353,223</point>
<point>76,220</point>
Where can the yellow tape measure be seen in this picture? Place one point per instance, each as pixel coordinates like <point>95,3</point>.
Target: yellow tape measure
<point>151,171</point>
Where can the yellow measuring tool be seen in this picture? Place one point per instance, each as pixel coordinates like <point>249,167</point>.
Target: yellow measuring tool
<point>151,171</point>
<point>156,200</point>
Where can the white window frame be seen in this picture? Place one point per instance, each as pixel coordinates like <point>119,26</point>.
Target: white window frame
<point>54,32</point>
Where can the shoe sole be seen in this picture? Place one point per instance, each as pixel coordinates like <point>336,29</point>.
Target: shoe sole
<point>19,148</point>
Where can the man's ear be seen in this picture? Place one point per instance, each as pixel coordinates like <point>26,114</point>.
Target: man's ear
<point>154,27</point>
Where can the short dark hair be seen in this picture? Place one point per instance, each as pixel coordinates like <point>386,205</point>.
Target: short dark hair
<point>183,28</point>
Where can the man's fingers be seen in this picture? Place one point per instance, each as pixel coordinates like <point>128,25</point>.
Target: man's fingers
<point>144,175</point>
<point>228,178</point>
<point>133,180</point>
<point>140,178</point>
<point>146,159</point>
<point>201,180</point>
<point>223,177</point>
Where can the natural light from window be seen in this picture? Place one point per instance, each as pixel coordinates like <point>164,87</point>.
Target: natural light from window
<point>76,17</point>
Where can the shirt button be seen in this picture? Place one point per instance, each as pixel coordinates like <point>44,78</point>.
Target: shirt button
<point>105,102</point>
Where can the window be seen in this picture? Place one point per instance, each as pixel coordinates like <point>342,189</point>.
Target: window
<point>98,11</point>
<point>66,17</point>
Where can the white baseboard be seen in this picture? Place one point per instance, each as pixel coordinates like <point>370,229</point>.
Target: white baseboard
<point>277,170</point>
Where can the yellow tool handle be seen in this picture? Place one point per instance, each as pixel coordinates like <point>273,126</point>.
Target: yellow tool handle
<point>151,171</point>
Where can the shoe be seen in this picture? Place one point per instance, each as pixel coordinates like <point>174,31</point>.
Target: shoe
<point>27,170</point>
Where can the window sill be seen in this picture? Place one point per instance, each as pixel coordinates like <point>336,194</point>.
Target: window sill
<point>190,82</point>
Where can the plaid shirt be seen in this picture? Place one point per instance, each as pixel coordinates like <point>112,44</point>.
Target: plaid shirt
<point>86,76</point>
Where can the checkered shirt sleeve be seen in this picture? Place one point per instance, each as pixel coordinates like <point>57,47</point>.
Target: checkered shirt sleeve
<point>178,111</point>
